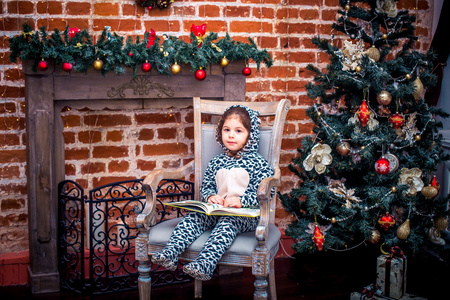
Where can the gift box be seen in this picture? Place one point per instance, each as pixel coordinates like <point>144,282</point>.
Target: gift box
<point>391,275</point>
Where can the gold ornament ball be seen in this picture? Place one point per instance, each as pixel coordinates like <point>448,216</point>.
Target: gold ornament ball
<point>175,69</point>
<point>417,137</point>
<point>429,192</point>
<point>224,62</point>
<point>375,236</point>
<point>384,36</point>
<point>98,64</point>
<point>343,148</point>
<point>374,53</point>
<point>347,7</point>
<point>384,97</point>
<point>394,189</point>
<point>408,76</point>
<point>418,88</point>
<point>358,69</point>
<point>404,230</point>
<point>441,223</point>
<point>333,220</point>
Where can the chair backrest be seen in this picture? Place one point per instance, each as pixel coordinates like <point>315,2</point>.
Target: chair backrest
<point>206,146</point>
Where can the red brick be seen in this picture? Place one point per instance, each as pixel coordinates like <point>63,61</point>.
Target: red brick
<point>70,170</point>
<point>302,27</point>
<point>106,9</point>
<point>99,181</point>
<point>10,140</point>
<point>78,8</point>
<point>269,42</point>
<point>12,123</point>
<point>167,133</point>
<point>12,156</point>
<point>11,91</point>
<point>118,166</point>
<point>110,151</point>
<point>237,11</point>
<point>12,204</point>
<point>114,136</point>
<point>69,137</point>
<point>88,137</point>
<point>282,71</point>
<point>9,172</point>
<point>165,149</point>
<point>303,57</point>
<point>209,11</point>
<point>309,14</point>
<point>20,7</point>
<point>156,118</point>
<point>14,188</point>
<point>162,26</point>
<point>71,120</point>
<point>7,107</point>
<point>250,26</point>
<point>92,168</point>
<point>77,154</point>
<point>49,7</point>
<point>146,134</point>
<point>130,10</point>
<point>184,11</point>
<point>107,120</point>
<point>14,75</point>
<point>145,165</point>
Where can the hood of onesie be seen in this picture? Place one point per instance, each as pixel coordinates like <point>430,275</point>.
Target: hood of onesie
<point>252,144</point>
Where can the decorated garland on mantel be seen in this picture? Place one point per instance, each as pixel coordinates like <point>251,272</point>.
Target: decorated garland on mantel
<point>150,4</point>
<point>74,49</point>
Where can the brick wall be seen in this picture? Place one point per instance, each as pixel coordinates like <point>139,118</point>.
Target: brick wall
<point>104,146</point>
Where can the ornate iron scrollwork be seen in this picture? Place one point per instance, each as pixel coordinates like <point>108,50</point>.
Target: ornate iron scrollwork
<point>101,229</point>
<point>141,85</point>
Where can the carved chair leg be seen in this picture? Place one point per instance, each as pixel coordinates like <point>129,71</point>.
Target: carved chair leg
<point>272,284</point>
<point>198,288</point>
<point>260,288</point>
<point>260,268</point>
<point>144,280</point>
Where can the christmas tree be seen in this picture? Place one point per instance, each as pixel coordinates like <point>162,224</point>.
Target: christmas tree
<point>366,174</point>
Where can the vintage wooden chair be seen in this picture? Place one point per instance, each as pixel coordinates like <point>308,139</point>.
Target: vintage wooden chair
<point>251,249</point>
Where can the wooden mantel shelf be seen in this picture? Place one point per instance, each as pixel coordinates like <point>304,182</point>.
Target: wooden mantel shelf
<point>47,92</point>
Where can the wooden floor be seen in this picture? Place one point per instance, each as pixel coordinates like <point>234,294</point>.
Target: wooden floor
<point>328,278</point>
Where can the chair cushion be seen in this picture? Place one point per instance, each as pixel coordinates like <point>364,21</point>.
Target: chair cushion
<point>244,244</point>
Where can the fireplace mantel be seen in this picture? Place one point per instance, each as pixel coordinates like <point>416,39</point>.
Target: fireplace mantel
<point>47,92</point>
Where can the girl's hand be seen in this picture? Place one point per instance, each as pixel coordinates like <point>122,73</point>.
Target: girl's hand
<point>216,199</point>
<point>233,202</point>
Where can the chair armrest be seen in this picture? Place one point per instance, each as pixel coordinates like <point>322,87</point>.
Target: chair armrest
<point>150,185</point>
<point>264,196</point>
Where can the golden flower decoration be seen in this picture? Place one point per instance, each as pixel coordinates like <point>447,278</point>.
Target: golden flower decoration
<point>411,177</point>
<point>319,158</point>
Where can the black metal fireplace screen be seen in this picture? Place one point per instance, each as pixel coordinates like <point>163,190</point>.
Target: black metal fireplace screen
<point>97,233</point>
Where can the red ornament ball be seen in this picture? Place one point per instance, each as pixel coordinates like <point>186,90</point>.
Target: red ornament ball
<point>397,120</point>
<point>386,221</point>
<point>67,66</point>
<point>382,166</point>
<point>146,67</point>
<point>246,71</point>
<point>42,65</point>
<point>130,54</point>
<point>200,74</point>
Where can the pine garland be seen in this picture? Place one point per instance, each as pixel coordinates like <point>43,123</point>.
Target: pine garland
<point>78,49</point>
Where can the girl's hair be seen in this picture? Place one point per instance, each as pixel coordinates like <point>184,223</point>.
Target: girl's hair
<point>243,116</point>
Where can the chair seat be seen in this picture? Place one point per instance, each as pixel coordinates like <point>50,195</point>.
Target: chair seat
<point>239,254</point>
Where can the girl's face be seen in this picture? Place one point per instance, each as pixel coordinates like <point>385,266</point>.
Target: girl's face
<point>234,134</point>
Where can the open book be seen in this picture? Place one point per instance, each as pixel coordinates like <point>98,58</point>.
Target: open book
<point>214,209</point>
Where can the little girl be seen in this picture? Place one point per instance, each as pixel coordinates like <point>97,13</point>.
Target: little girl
<point>231,179</point>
